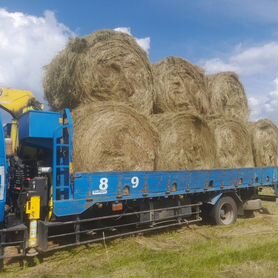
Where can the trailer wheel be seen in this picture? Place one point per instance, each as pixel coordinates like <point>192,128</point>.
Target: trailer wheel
<point>225,211</point>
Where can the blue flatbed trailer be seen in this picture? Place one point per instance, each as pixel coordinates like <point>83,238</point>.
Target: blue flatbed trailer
<point>85,204</point>
<point>92,188</point>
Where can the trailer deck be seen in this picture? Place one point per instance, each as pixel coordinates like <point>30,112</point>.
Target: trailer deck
<point>88,189</point>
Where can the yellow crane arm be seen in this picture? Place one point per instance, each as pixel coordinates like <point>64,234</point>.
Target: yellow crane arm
<point>17,102</point>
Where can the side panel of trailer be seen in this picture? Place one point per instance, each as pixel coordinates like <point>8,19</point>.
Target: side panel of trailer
<point>92,188</point>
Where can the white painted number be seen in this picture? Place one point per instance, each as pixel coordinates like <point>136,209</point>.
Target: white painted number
<point>135,182</point>
<point>103,185</point>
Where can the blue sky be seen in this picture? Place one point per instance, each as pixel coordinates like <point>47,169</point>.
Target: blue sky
<point>192,29</point>
<point>218,35</point>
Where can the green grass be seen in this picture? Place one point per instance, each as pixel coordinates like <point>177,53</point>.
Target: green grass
<point>247,249</point>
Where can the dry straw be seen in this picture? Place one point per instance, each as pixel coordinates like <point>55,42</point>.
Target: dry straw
<point>233,143</point>
<point>108,81</point>
<point>113,137</point>
<point>227,96</point>
<point>264,135</point>
<point>179,87</point>
<point>185,142</point>
<point>106,66</point>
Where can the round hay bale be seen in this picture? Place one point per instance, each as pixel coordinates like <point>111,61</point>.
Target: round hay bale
<point>264,134</point>
<point>227,96</point>
<point>233,143</point>
<point>185,142</point>
<point>112,137</point>
<point>179,87</point>
<point>105,66</point>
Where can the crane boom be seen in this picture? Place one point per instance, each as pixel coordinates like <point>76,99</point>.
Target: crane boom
<point>16,102</point>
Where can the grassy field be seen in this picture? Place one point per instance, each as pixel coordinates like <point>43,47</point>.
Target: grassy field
<point>248,249</point>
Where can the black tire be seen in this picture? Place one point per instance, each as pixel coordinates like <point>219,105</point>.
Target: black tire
<point>224,212</point>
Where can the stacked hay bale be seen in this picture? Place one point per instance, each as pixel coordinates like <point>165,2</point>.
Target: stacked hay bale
<point>106,66</point>
<point>185,142</point>
<point>179,87</point>
<point>264,136</point>
<point>181,102</point>
<point>113,137</point>
<point>228,120</point>
<point>233,142</point>
<point>255,144</point>
<point>106,78</point>
<point>130,115</point>
<point>227,96</point>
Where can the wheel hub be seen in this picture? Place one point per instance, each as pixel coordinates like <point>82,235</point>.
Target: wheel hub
<point>226,214</point>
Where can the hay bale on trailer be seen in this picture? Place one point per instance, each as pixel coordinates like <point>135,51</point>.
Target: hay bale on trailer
<point>113,137</point>
<point>179,87</point>
<point>105,66</point>
<point>227,96</point>
<point>185,142</point>
<point>233,143</point>
<point>264,134</point>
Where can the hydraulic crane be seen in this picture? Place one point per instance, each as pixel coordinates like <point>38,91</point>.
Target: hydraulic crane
<point>17,102</point>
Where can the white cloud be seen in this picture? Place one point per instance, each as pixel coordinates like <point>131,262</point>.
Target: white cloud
<point>217,65</point>
<point>271,103</point>
<point>145,43</point>
<point>255,107</point>
<point>27,43</point>
<point>248,62</point>
<point>126,30</point>
<point>265,106</point>
<point>257,67</point>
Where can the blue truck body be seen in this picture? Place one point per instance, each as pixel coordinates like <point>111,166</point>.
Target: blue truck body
<point>76,193</point>
<point>92,188</point>
<point>3,170</point>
